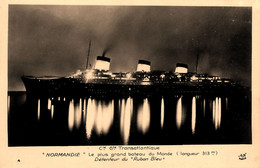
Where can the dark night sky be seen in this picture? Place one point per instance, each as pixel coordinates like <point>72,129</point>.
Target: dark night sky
<point>53,40</point>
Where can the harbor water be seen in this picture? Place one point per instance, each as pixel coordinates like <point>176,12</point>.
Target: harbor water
<point>141,120</point>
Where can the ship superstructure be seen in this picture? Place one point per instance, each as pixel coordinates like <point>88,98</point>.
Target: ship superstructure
<point>101,81</point>
<point>144,75</point>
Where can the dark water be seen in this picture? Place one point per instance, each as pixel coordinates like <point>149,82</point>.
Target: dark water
<point>178,119</point>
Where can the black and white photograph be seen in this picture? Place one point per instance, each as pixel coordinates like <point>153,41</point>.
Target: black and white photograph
<point>86,75</point>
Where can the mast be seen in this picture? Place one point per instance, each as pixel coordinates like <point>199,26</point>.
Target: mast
<point>198,53</point>
<point>197,61</point>
<point>88,53</point>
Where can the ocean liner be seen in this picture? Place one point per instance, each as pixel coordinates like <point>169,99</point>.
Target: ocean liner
<point>99,80</point>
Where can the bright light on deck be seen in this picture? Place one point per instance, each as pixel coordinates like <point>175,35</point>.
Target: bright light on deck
<point>89,75</point>
<point>194,77</point>
<point>129,75</point>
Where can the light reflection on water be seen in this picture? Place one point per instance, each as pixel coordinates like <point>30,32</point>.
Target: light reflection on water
<point>143,116</point>
<point>204,107</point>
<point>49,104</point>
<point>217,112</point>
<point>76,114</point>
<point>126,121</point>
<point>106,117</point>
<point>39,107</point>
<point>162,112</point>
<point>136,120</point>
<point>193,115</point>
<point>91,115</point>
<point>71,115</point>
<point>52,111</point>
<point>84,111</point>
<point>226,103</point>
<point>98,115</point>
<point>179,113</point>
<point>99,118</point>
<point>122,115</point>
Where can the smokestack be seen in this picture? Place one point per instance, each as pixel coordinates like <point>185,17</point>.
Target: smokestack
<point>144,65</point>
<point>102,63</point>
<point>181,68</point>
